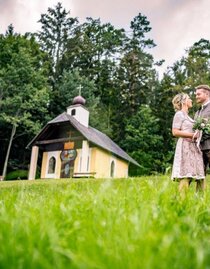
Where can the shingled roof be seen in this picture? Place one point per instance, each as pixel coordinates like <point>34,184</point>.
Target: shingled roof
<point>92,135</point>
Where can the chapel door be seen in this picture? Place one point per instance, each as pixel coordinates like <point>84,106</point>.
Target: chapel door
<point>67,163</point>
<point>67,169</point>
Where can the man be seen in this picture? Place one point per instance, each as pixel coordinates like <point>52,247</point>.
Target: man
<point>202,94</point>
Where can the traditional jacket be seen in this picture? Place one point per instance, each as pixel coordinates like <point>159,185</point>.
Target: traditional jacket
<point>204,112</point>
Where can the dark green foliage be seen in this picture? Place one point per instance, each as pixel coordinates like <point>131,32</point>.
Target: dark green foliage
<point>73,84</point>
<point>56,28</point>
<point>135,77</point>
<point>24,94</point>
<point>144,142</point>
<point>17,174</point>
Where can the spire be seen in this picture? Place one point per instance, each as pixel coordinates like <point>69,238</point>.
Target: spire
<point>79,100</point>
<point>78,109</point>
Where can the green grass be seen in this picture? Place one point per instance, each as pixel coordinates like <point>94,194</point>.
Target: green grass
<point>86,223</point>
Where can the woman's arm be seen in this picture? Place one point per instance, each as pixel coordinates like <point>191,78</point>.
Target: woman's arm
<point>178,133</point>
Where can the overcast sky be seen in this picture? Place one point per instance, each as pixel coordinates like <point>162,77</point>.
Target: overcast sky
<point>176,24</point>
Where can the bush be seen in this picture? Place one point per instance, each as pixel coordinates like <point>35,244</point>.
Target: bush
<point>17,174</point>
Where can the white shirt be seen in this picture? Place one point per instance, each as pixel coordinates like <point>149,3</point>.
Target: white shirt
<point>205,104</point>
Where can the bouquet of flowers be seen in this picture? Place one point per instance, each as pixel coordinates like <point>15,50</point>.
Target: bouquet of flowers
<point>203,125</point>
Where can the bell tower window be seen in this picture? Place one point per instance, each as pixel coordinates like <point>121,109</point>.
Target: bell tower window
<point>73,112</point>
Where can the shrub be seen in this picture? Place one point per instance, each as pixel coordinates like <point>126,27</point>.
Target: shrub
<point>17,174</point>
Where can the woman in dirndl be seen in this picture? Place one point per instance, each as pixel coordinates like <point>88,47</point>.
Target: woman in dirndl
<point>188,161</point>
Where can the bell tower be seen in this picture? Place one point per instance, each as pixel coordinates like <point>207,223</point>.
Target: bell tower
<point>79,111</point>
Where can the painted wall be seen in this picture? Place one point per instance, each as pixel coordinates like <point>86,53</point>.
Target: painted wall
<point>45,163</point>
<point>81,164</point>
<point>99,163</point>
<point>77,162</point>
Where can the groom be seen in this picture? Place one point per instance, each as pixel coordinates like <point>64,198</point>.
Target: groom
<point>202,94</point>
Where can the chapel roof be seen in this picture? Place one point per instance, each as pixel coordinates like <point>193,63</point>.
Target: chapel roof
<point>91,134</point>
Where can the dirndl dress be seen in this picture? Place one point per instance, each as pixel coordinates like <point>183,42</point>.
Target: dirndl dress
<point>188,158</point>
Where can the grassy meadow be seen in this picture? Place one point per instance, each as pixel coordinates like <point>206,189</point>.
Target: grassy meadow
<point>87,223</point>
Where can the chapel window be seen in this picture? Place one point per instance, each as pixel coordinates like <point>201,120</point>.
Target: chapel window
<point>112,169</point>
<point>51,167</point>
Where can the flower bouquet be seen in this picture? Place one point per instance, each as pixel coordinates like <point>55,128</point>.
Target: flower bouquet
<point>203,125</point>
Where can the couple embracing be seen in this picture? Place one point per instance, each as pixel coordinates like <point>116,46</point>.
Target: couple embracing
<point>192,154</point>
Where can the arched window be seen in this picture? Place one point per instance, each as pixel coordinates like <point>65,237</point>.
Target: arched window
<point>51,167</point>
<point>112,169</point>
<point>73,112</point>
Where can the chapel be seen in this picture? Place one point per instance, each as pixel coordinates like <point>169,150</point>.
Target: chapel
<point>70,148</point>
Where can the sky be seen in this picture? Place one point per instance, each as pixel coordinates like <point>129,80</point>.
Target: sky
<point>176,24</point>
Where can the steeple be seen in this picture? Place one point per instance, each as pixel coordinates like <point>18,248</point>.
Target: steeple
<point>79,100</point>
<point>78,110</point>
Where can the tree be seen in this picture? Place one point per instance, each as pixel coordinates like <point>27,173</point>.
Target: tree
<point>136,70</point>
<point>135,76</point>
<point>56,28</point>
<point>93,50</point>
<point>144,142</point>
<point>197,63</point>
<point>73,84</point>
<point>24,89</point>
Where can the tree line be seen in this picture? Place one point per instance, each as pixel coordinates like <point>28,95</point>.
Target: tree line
<point>40,74</point>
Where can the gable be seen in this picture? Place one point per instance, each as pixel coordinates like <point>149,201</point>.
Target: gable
<point>65,127</point>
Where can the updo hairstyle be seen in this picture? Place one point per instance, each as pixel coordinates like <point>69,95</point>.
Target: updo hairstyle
<point>179,100</point>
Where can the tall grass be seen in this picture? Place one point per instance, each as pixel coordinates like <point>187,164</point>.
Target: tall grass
<point>87,223</point>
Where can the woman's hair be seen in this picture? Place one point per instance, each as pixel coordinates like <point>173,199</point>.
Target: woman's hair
<point>179,100</point>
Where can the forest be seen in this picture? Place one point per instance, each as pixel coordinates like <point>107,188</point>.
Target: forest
<point>41,73</point>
